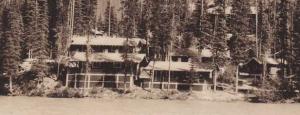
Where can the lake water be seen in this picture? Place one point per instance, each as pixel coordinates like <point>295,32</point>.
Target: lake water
<point>90,106</point>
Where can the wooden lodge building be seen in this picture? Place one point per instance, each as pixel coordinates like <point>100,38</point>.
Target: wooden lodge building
<point>179,73</point>
<point>251,72</point>
<point>107,67</point>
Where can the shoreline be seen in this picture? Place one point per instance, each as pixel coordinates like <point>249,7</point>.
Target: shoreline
<point>21,105</point>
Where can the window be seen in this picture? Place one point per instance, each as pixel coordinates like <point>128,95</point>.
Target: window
<point>175,59</point>
<point>157,76</point>
<point>97,65</point>
<point>98,49</point>
<point>206,59</point>
<point>184,59</point>
<point>117,65</point>
<point>111,50</point>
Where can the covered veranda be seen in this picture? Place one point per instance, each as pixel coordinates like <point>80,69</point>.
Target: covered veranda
<point>176,76</point>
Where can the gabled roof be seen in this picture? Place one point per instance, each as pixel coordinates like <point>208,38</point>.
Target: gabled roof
<point>107,57</point>
<point>174,66</point>
<point>254,59</point>
<point>268,60</point>
<point>105,41</point>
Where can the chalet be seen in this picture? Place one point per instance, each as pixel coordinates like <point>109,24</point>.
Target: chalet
<point>178,74</point>
<point>111,62</point>
<point>251,73</point>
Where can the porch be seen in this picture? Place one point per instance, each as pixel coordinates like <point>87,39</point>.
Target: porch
<point>177,86</point>
<point>93,80</point>
<point>176,76</point>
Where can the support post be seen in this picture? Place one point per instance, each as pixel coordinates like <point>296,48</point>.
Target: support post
<point>103,81</point>
<point>211,75</point>
<point>215,82</point>
<point>169,73</point>
<point>237,80</point>
<point>117,81</point>
<point>131,82</point>
<point>67,80</point>
<point>204,86</point>
<point>153,75</point>
<point>10,84</point>
<point>75,84</point>
<point>89,81</point>
<point>85,80</point>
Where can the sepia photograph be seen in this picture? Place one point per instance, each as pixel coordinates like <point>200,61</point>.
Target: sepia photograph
<point>149,57</point>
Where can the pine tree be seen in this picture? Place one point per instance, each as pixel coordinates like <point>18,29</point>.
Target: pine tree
<point>40,49</point>
<point>218,41</point>
<point>1,28</point>
<point>296,41</point>
<point>129,22</point>
<point>240,29</point>
<point>129,19</point>
<point>59,27</point>
<point>78,18</point>
<point>30,26</point>
<point>162,30</point>
<point>142,23</point>
<point>110,17</point>
<point>100,23</point>
<point>282,34</point>
<point>181,33</point>
<point>180,13</point>
<point>10,42</point>
<point>202,27</point>
<point>88,14</point>
<point>55,24</point>
<point>264,26</point>
<point>146,21</point>
<point>114,22</point>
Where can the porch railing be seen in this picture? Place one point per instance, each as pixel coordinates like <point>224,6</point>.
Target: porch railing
<point>176,86</point>
<point>92,80</point>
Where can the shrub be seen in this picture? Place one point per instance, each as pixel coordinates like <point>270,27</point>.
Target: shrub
<point>66,93</point>
<point>229,75</point>
<point>94,91</point>
<point>4,89</point>
<point>269,92</point>
<point>266,96</point>
<point>37,92</point>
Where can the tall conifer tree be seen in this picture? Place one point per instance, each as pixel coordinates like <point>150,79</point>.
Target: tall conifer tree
<point>78,18</point>
<point>240,29</point>
<point>296,40</point>
<point>201,24</point>
<point>110,16</point>
<point>10,42</point>
<point>283,39</point>
<point>88,14</point>
<point>218,41</point>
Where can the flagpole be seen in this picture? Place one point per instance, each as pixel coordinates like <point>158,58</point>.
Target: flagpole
<point>109,18</point>
<point>256,31</point>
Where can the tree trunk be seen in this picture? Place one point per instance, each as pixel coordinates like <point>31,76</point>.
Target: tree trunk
<point>10,84</point>
<point>237,80</point>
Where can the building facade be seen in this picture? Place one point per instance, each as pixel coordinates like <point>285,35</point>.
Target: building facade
<point>111,62</point>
